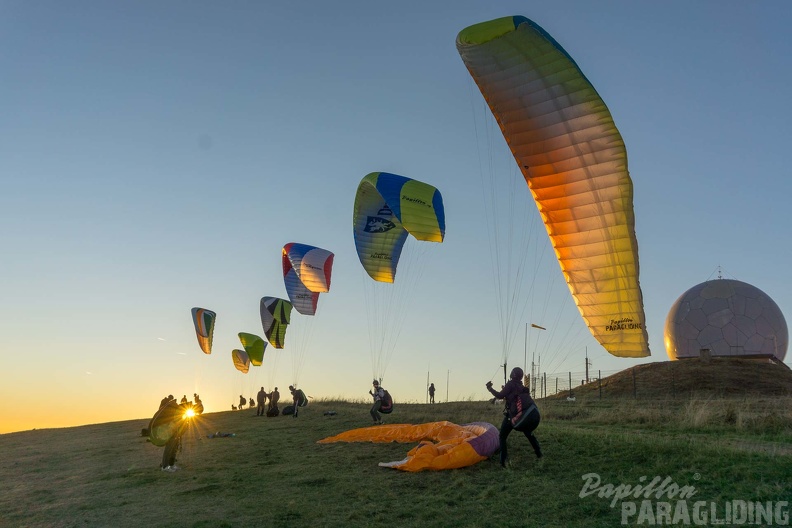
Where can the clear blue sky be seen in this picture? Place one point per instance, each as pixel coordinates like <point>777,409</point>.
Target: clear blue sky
<point>157,156</point>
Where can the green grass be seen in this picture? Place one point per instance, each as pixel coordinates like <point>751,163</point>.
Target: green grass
<point>274,474</point>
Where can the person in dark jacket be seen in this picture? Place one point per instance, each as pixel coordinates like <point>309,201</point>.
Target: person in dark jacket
<point>521,413</point>
<point>173,411</point>
<point>261,398</point>
<point>298,399</point>
<point>274,397</point>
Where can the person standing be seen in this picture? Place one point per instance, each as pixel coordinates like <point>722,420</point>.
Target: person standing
<point>431,392</point>
<point>171,418</point>
<point>274,397</point>
<point>261,398</point>
<point>521,413</point>
<point>379,395</point>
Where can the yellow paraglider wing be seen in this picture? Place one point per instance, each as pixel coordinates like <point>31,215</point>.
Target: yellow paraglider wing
<point>573,158</point>
<point>254,346</point>
<point>241,360</point>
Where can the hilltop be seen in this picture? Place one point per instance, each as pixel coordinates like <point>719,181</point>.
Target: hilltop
<point>692,378</point>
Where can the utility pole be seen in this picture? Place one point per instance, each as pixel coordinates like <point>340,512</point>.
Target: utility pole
<point>448,377</point>
<point>588,363</point>
<point>533,365</point>
<point>427,386</point>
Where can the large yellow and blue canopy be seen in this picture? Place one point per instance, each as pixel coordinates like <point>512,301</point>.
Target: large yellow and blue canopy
<point>388,207</point>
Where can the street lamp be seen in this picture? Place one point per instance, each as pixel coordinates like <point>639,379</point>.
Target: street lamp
<point>533,384</point>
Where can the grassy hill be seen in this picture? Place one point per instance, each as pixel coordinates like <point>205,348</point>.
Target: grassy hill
<point>692,378</point>
<point>272,473</point>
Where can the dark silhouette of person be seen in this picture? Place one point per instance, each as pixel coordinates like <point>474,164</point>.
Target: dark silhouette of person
<point>165,400</point>
<point>298,399</point>
<point>431,392</point>
<point>521,413</point>
<point>184,400</point>
<point>274,397</point>
<point>242,402</point>
<point>261,398</point>
<point>198,405</point>
<point>175,411</point>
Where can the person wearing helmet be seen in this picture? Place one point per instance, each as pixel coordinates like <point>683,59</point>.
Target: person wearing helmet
<point>521,413</point>
<point>379,395</point>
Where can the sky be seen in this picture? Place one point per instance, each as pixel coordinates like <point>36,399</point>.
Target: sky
<point>157,156</point>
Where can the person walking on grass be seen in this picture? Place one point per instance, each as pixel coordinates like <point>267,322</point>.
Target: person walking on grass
<point>521,413</point>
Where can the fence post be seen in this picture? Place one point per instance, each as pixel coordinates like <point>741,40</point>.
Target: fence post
<point>570,384</point>
<point>599,380</point>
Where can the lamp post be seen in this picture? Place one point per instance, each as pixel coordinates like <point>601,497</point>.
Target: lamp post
<point>533,376</point>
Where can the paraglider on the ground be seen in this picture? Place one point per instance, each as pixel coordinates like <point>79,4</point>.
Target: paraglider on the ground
<point>275,317</point>
<point>388,208</point>
<point>204,321</point>
<point>254,347</point>
<point>443,445</point>
<point>306,274</point>
<point>241,361</point>
<point>573,158</point>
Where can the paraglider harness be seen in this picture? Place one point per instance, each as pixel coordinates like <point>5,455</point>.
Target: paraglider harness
<point>387,403</point>
<point>523,411</point>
